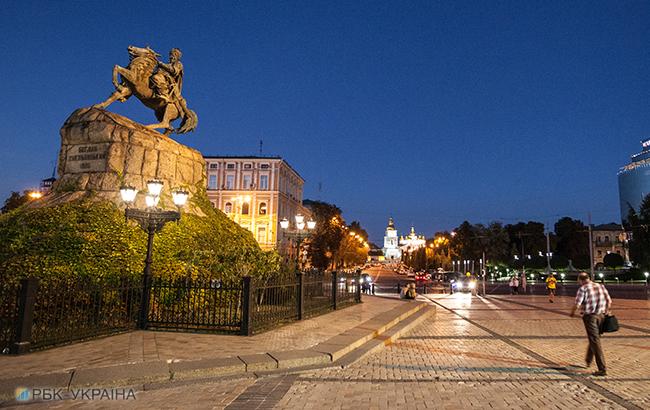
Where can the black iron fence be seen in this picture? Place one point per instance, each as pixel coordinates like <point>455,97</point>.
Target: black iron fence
<point>8,314</point>
<point>60,311</point>
<point>34,316</point>
<point>198,305</point>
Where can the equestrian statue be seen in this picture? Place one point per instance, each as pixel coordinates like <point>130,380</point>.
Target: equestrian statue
<point>157,85</point>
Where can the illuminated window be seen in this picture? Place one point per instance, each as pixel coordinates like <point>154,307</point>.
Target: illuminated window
<point>262,210</point>
<point>228,208</point>
<point>264,182</point>
<point>212,182</point>
<point>261,234</point>
<point>244,208</point>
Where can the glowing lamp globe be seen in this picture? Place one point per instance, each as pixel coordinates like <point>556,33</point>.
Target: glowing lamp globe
<point>151,200</point>
<point>180,197</point>
<point>128,194</point>
<point>155,187</point>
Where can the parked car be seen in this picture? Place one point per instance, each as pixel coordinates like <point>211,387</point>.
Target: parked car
<point>422,276</point>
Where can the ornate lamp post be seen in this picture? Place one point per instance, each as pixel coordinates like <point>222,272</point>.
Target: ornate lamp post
<point>151,220</point>
<point>299,233</point>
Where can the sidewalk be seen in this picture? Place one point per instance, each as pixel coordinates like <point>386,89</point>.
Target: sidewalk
<point>153,356</point>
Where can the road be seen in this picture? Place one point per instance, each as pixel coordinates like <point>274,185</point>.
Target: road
<point>385,279</point>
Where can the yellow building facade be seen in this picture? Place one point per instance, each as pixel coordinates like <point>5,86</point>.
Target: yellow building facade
<point>256,193</point>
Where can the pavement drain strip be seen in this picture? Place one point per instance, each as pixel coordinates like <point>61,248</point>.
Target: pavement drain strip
<point>562,312</point>
<point>264,393</point>
<point>580,379</point>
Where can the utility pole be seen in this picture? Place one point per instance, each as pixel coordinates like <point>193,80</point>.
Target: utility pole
<point>591,250</point>
<point>548,252</point>
<point>523,257</point>
<point>484,272</point>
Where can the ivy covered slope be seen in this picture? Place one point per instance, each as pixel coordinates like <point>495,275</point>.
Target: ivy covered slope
<point>90,237</point>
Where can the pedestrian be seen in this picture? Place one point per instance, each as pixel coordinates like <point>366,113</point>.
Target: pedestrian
<point>514,285</point>
<point>411,293</point>
<point>403,291</point>
<point>523,281</point>
<point>551,283</point>
<point>594,301</point>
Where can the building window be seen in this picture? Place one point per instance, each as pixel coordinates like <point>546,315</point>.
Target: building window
<point>264,182</point>
<point>230,181</point>
<point>212,182</point>
<point>230,166</point>
<point>265,166</point>
<point>228,208</point>
<point>262,210</point>
<point>247,166</point>
<point>261,234</point>
<point>247,182</point>
<point>244,208</point>
<point>214,165</point>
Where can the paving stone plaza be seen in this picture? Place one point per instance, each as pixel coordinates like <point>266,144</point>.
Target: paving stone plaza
<point>516,352</point>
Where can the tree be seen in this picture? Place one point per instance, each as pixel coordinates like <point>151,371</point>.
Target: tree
<point>14,201</point>
<point>326,241</point>
<point>613,260</point>
<point>529,234</point>
<point>573,241</point>
<point>497,243</point>
<point>639,224</point>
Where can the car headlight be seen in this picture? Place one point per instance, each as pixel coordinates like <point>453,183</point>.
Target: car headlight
<point>472,285</point>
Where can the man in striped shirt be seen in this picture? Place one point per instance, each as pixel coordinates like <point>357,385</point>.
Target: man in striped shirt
<point>595,302</point>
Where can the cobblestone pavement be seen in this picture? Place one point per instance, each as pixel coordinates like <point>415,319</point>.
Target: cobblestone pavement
<point>143,346</point>
<point>514,352</point>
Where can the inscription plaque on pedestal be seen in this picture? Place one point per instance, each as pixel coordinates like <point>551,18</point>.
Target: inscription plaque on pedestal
<point>86,158</point>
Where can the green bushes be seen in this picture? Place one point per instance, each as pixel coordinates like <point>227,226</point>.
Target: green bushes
<point>92,239</point>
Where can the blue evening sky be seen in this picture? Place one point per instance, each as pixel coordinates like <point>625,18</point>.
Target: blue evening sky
<point>432,112</point>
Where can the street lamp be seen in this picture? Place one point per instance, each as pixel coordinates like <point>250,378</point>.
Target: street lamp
<point>35,194</point>
<point>646,274</point>
<point>151,220</point>
<point>299,233</point>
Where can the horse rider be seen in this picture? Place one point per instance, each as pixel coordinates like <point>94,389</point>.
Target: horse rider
<point>168,80</point>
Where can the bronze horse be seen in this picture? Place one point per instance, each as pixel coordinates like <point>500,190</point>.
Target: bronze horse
<point>135,80</point>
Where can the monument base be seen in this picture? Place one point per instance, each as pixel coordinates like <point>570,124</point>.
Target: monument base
<point>102,151</point>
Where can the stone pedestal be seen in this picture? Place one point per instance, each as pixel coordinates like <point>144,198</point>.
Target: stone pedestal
<point>101,151</point>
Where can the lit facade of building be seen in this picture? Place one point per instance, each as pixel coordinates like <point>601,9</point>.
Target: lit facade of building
<point>412,242</point>
<point>606,239</point>
<point>256,193</point>
<point>634,180</point>
<point>391,249</point>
